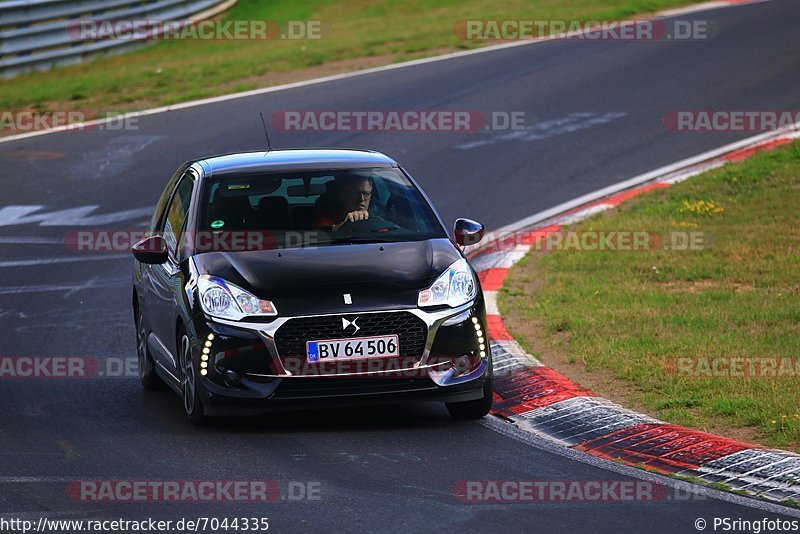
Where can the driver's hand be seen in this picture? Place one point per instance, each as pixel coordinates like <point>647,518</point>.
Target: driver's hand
<point>353,216</point>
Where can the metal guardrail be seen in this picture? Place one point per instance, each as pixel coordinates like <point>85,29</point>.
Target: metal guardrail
<point>42,34</point>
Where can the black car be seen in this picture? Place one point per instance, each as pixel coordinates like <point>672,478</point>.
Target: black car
<point>304,278</point>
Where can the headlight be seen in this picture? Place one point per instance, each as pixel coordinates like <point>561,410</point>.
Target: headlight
<point>454,287</point>
<point>222,299</point>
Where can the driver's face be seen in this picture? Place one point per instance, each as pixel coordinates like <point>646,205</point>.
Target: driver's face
<point>356,196</point>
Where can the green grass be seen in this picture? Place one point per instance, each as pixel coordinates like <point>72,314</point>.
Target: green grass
<point>170,72</point>
<point>632,314</point>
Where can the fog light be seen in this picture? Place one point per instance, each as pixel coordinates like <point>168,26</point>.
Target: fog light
<point>475,320</point>
<point>232,378</point>
<point>203,364</point>
<point>204,357</point>
<point>211,337</point>
<point>203,372</point>
<point>483,354</point>
<point>208,343</point>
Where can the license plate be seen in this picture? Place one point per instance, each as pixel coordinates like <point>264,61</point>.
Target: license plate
<point>357,347</point>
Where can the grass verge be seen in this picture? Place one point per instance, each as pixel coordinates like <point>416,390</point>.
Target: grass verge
<point>647,328</point>
<point>362,33</point>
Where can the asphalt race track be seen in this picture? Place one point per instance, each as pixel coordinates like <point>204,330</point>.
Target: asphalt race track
<point>596,109</point>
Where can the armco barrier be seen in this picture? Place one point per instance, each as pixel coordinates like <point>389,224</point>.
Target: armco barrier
<point>34,34</point>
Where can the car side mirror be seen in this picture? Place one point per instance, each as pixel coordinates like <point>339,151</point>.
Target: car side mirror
<point>468,232</point>
<point>151,250</point>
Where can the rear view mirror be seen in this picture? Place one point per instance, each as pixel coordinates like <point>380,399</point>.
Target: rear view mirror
<point>151,250</point>
<point>468,232</point>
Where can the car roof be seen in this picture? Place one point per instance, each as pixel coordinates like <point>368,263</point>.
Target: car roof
<point>294,160</point>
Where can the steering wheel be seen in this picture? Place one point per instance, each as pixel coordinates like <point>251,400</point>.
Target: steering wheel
<point>373,224</point>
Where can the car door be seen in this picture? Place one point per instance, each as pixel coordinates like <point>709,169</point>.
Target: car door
<point>165,280</point>
<point>141,272</point>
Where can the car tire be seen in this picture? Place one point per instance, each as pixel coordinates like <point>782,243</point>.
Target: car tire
<point>192,404</point>
<point>147,369</point>
<point>474,409</point>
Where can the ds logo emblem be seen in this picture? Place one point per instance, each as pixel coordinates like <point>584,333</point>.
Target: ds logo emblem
<point>346,323</point>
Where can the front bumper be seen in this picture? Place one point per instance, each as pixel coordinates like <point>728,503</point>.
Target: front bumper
<point>243,372</point>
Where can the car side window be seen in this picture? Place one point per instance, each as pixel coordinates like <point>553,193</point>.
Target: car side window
<point>177,212</point>
<point>161,207</point>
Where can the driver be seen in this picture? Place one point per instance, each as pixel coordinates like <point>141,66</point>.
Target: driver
<point>354,195</point>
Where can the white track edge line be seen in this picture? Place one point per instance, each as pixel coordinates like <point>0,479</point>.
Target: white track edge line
<point>646,177</point>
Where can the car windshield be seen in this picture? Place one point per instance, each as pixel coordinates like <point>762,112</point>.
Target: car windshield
<point>318,208</point>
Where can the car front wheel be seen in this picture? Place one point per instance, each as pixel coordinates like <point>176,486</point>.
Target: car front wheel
<point>192,404</point>
<point>147,370</point>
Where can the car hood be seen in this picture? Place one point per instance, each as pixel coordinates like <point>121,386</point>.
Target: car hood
<point>305,281</point>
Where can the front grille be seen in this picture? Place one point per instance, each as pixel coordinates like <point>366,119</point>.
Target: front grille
<point>411,330</point>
